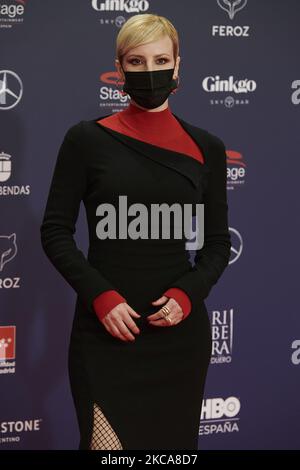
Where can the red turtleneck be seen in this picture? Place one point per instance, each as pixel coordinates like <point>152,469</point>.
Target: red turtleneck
<point>159,128</point>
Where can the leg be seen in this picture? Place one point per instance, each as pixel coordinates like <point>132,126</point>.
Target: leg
<point>104,437</point>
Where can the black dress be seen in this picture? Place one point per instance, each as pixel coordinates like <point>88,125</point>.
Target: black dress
<point>149,390</point>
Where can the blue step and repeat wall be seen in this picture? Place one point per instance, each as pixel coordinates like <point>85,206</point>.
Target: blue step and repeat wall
<point>239,79</point>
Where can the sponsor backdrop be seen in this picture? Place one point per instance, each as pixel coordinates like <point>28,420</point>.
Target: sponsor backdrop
<point>239,79</point>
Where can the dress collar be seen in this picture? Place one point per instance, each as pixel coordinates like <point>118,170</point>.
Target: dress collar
<point>144,122</point>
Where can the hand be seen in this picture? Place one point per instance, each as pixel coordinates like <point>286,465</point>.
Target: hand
<point>118,319</point>
<point>175,315</point>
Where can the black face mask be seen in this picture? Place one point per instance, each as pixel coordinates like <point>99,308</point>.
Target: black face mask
<point>149,89</point>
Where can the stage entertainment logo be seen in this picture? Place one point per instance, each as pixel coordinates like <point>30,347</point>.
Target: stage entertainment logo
<point>12,13</point>
<point>110,92</point>
<point>236,169</point>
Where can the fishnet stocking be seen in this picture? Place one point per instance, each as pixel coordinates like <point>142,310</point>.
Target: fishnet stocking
<point>104,437</point>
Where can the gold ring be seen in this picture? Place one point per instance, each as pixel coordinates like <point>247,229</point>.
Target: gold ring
<point>166,310</point>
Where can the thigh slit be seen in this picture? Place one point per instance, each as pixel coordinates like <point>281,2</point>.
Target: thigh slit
<point>103,435</point>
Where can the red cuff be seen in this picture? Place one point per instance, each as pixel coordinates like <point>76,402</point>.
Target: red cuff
<point>181,298</point>
<point>106,301</point>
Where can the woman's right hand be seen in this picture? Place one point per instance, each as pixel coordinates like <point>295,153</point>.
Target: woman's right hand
<point>118,321</point>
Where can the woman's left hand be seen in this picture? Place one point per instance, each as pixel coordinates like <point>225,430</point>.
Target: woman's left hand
<point>175,315</point>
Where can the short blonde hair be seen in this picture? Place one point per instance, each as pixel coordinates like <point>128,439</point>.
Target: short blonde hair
<point>143,28</point>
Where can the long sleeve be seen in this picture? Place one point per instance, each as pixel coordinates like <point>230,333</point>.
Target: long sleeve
<point>212,259</point>
<point>106,301</point>
<point>67,189</point>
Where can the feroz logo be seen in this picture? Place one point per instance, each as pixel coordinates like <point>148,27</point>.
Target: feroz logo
<point>8,249</point>
<point>232,6</point>
<point>229,30</point>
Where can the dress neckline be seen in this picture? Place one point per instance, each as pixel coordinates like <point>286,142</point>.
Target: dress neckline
<point>203,165</point>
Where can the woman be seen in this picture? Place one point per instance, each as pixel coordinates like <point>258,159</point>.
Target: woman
<point>140,343</point>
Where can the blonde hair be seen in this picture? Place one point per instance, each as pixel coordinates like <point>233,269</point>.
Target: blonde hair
<point>143,28</point>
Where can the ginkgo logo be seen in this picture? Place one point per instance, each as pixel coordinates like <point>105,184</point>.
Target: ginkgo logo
<point>128,6</point>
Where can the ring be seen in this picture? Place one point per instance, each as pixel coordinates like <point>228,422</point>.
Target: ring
<point>166,312</point>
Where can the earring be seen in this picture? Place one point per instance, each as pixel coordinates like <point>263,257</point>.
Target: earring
<point>175,89</point>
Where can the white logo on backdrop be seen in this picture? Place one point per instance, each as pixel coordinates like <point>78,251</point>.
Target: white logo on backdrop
<point>8,249</point>
<point>222,336</point>
<point>20,426</point>
<point>129,6</point>
<point>219,415</point>
<point>5,167</point>
<point>215,84</point>
<point>239,88</point>
<point>12,14</point>
<point>119,21</point>
<point>232,6</point>
<point>5,174</point>
<point>295,358</point>
<point>296,94</point>
<point>11,89</point>
<point>236,245</point>
<point>230,30</point>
